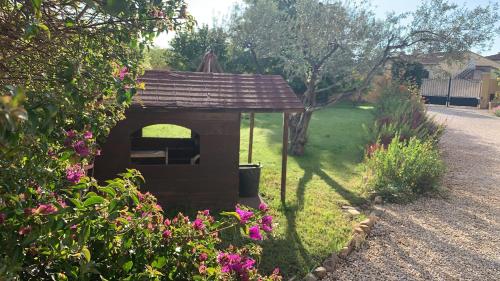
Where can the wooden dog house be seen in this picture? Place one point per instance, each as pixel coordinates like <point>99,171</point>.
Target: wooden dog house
<point>201,170</point>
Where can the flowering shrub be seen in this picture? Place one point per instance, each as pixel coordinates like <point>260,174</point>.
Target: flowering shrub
<point>69,70</point>
<point>115,232</point>
<point>496,111</point>
<point>401,111</point>
<point>404,169</point>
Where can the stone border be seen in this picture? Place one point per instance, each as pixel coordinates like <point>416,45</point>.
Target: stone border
<point>361,232</point>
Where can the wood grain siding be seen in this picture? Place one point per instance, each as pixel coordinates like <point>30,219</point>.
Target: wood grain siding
<point>212,183</point>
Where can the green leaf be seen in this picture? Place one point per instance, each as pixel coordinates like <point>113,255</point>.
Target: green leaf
<point>134,198</point>
<point>76,202</point>
<point>84,234</point>
<point>37,4</point>
<point>86,253</point>
<point>159,262</point>
<point>112,205</point>
<point>45,28</point>
<point>108,190</point>
<point>127,266</point>
<point>93,201</point>
<point>69,22</point>
<point>231,214</point>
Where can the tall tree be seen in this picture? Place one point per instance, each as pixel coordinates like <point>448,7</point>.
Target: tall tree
<point>338,47</point>
<point>187,48</point>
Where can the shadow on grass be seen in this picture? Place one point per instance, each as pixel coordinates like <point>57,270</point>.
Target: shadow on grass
<point>332,148</point>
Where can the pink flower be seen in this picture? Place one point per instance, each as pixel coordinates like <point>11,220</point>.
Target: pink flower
<point>73,227</point>
<point>71,134</point>
<point>51,153</point>
<point>167,234</point>
<point>3,217</point>
<point>267,223</point>
<point>244,215</point>
<point>29,211</point>
<point>198,224</point>
<point>140,196</point>
<point>87,135</point>
<point>74,173</point>
<point>24,230</point>
<point>46,209</point>
<point>203,257</point>
<point>254,233</point>
<point>202,269</point>
<point>81,148</point>
<point>62,203</point>
<point>240,265</point>
<point>263,207</point>
<point>123,72</point>
<point>206,213</point>
<point>167,222</point>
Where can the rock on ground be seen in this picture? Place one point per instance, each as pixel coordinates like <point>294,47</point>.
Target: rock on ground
<point>456,237</point>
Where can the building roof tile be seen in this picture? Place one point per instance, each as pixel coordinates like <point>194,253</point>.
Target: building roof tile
<point>169,90</point>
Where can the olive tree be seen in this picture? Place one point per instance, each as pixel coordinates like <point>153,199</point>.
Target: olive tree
<point>337,47</point>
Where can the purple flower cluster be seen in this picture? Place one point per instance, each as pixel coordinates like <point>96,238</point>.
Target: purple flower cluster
<point>42,209</point>
<point>235,263</point>
<point>74,173</point>
<point>46,209</point>
<point>80,146</point>
<point>254,233</point>
<point>244,215</point>
<point>265,223</point>
<point>198,224</point>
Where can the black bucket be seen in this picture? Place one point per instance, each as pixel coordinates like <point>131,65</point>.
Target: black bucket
<point>249,180</point>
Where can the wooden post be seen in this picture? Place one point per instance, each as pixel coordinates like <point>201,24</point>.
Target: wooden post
<point>448,96</point>
<point>250,139</point>
<point>284,157</point>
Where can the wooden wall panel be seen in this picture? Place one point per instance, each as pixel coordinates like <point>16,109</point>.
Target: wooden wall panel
<point>212,183</point>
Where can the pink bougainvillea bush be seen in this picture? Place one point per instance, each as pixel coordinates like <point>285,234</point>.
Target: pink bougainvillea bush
<point>69,71</point>
<point>115,232</point>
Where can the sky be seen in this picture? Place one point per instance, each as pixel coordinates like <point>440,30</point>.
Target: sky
<point>208,11</point>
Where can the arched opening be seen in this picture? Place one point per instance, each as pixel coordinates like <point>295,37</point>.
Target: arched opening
<point>165,144</point>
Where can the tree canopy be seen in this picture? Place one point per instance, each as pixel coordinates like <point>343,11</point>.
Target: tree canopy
<point>338,47</point>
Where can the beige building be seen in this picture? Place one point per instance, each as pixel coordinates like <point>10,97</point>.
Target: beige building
<point>470,66</point>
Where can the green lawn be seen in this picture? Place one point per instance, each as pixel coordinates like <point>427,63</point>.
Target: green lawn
<point>311,225</point>
<point>166,131</point>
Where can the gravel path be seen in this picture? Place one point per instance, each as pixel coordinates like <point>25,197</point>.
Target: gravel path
<point>451,238</point>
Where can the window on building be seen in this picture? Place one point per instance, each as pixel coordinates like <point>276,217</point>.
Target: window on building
<point>165,144</point>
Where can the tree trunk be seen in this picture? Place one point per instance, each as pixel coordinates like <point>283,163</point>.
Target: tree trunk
<point>298,124</point>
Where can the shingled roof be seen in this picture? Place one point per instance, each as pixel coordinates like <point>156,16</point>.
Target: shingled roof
<point>169,90</point>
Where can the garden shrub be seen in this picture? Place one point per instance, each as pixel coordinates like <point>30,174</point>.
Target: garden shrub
<point>403,169</point>
<point>401,111</point>
<point>69,73</point>
<point>115,232</point>
<point>496,111</point>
